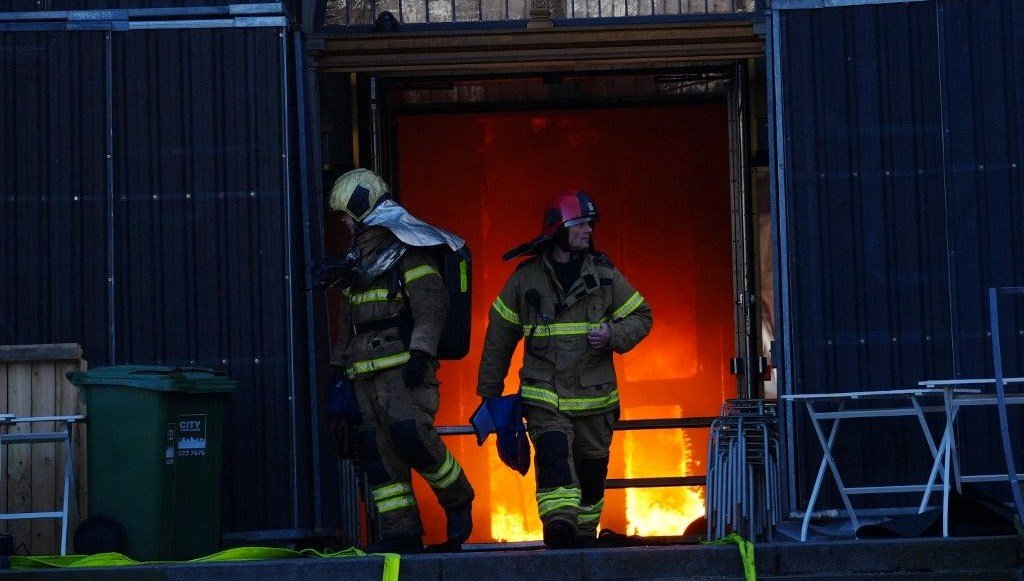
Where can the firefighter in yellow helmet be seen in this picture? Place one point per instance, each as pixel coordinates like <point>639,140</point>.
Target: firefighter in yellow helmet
<point>394,310</point>
<point>574,309</point>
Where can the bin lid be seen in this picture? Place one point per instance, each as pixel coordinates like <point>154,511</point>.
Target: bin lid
<point>156,378</point>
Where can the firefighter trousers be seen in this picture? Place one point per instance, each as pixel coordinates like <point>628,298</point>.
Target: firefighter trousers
<point>571,463</point>
<point>398,434</point>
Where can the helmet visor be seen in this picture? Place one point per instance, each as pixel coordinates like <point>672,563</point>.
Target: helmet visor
<point>581,220</point>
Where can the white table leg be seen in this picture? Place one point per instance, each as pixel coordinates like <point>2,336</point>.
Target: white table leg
<point>924,426</point>
<point>826,460</point>
<point>947,400</point>
<point>827,446</point>
<point>69,491</point>
<point>936,465</point>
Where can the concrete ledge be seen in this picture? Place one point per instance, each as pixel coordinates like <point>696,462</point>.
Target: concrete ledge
<point>887,556</point>
<point>954,576</point>
<point>975,559</point>
<point>282,570</point>
<point>536,565</point>
<point>689,562</point>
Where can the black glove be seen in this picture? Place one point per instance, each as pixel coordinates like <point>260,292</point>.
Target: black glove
<point>415,369</point>
<point>333,272</point>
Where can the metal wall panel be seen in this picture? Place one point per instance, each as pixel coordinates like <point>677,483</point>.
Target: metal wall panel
<point>53,191</point>
<point>201,251</point>
<point>194,219</point>
<point>983,89</point>
<point>886,123</point>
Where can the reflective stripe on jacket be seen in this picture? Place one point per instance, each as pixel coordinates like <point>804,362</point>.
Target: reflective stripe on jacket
<point>385,348</point>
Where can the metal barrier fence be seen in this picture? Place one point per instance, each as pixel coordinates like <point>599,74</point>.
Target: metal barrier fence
<point>743,481</point>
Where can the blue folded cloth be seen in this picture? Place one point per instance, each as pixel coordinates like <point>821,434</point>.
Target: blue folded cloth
<point>504,417</point>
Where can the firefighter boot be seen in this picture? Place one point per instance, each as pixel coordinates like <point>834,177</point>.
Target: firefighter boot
<point>396,545</point>
<point>585,541</point>
<point>559,534</point>
<point>460,525</point>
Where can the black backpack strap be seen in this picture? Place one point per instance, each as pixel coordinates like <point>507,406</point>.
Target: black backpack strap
<point>602,260</point>
<point>403,321</point>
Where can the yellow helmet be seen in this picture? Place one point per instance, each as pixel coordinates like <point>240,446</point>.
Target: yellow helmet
<point>357,192</point>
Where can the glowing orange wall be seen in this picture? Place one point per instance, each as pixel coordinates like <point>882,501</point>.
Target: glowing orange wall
<point>659,177</point>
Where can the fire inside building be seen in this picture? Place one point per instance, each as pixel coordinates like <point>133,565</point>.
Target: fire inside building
<point>494,169</point>
<point>681,370</point>
<point>815,198</point>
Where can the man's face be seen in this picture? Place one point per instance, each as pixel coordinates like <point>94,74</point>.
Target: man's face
<point>579,236</point>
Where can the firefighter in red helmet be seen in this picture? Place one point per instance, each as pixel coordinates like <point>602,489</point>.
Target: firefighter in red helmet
<point>574,309</point>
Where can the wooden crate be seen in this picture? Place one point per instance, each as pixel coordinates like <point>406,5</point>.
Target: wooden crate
<point>33,383</point>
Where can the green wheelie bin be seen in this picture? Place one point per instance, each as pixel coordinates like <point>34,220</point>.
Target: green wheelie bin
<point>154,455</point>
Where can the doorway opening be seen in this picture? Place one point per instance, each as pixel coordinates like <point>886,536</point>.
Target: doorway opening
<point>657,153</point>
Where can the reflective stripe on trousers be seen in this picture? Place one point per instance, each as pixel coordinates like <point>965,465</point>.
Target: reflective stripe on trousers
<point>393,497</point>
<point>444,476</point>
<point>561,497</point>
<point>590,514</point>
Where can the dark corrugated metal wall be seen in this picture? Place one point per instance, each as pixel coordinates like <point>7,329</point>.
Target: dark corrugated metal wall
<point>904,204</point>
<point>200,246</point>
<point>206,250</point>
<point>53,190</point>
<point>983,88</point>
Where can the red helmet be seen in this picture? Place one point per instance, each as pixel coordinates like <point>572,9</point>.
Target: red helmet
<point>564,209</point>
<point>567,208</point>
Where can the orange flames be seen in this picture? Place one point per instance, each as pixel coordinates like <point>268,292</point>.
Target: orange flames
<point>669,232</point>
<point>661,511</point>
<point>513,504</point>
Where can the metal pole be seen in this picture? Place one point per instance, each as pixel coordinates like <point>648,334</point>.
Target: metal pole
<point>1004,427</point>
<point>375,127</point>
<point>307,194</point>
<point>779,203</point>
<point>111,303</point>
<point>289,281</point>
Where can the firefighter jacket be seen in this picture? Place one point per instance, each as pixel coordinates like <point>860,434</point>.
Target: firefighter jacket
<point>401,310</point>
<point>561,371</point>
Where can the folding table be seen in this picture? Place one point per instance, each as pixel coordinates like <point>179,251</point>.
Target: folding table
<point>907,403</point>
<point>58,435</point>
<point>955,396</point>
